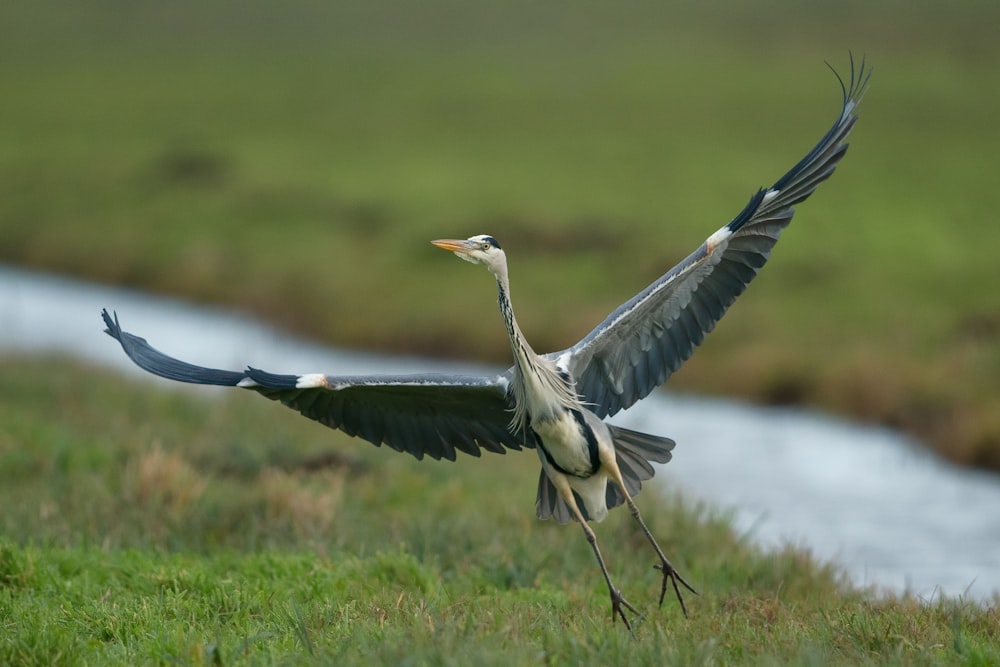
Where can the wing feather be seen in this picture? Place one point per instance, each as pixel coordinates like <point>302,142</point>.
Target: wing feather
<point>638,346</point>
<point>422,415</point>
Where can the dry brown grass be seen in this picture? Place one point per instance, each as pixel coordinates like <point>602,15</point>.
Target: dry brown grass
<point>308,502</point>
<point>163,479</point>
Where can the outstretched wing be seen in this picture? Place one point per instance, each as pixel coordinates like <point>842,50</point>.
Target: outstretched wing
<point>433,415</point>
<point>645,340</point>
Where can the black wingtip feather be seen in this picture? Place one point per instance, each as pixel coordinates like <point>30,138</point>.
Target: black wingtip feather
<point>746,215</point>
<point>852,90</point>
<point>153,361</point>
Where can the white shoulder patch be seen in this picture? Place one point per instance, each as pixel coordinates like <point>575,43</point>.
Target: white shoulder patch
<point>717,239</point>
<point>769,195</point>
<point>247,383</point>
<point>311,381</point>
<point>562,361</point>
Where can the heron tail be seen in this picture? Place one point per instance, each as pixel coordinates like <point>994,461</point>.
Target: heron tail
<point>635,452</point>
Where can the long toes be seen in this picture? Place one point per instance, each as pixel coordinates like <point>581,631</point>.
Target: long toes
<point>669,571</point>
<point>617,602</point>
<point>616,613</point>
<point>670,575</point>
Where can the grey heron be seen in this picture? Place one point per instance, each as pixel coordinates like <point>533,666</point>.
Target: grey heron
<point>557,403</point>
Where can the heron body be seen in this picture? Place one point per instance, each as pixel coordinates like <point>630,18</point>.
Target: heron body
<point>556,403</point>
<point>569,443</point>
<point>580,453</point>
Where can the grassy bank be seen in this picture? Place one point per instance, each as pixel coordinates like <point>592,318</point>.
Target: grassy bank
<point>147,527</point>
<point>295,162</point>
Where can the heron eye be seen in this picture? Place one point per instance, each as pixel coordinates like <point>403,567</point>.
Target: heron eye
<point>485,246</point>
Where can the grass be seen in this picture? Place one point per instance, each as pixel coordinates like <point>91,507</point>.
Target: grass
<point>292,608</point>
<point>231,534</point>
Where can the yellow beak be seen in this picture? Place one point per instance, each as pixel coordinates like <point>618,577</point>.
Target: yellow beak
<point>454,245</point>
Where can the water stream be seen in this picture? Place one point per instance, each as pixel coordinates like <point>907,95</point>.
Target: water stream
<point>890,514</point>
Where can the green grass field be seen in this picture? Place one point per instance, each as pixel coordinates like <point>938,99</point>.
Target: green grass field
<point>147,527</point>
<point>293,161</point>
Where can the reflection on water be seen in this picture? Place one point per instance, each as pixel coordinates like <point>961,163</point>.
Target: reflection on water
<point>890,514</point>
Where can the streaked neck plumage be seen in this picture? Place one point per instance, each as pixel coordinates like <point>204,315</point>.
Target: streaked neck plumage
<point>540,390</point>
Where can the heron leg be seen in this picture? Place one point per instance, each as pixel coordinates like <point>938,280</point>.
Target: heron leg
<point>670,573</point>
<point>618,601</point>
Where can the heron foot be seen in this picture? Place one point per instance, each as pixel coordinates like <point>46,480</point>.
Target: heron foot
<point>671,575</point>
<point>618,601</point>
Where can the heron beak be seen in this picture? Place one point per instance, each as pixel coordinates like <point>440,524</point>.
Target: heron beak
<point>458,246</point>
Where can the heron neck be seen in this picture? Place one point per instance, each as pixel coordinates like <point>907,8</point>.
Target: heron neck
<point>523,354</point>
<point>539,390</point>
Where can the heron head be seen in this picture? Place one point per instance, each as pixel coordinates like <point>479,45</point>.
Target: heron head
<point>481,249</point>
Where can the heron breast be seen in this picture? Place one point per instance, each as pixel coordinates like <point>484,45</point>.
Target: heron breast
<point>569,443</point>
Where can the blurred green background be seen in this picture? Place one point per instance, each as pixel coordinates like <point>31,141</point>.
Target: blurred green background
<point>293,159</point>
